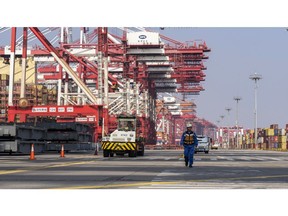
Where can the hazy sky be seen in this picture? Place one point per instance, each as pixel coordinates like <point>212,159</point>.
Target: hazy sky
<point>236,53</point>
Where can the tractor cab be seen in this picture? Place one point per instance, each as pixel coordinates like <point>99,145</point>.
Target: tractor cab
<point>126,123</point>
<point>126,130</point>
<point>124,139</point>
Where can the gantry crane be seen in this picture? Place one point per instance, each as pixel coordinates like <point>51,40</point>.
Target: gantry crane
<point>101,74</point>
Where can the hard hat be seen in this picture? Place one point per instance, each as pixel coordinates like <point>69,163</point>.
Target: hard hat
<point>189,125</point>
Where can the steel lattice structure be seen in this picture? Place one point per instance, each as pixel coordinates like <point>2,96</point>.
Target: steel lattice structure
<point>102,74</point>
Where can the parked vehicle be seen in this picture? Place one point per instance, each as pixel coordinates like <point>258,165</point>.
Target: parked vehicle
<point>215,146</point>
<point>203,144</point>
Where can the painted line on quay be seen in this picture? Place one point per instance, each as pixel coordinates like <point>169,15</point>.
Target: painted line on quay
<point>6,172</point>
<point>107,186</point>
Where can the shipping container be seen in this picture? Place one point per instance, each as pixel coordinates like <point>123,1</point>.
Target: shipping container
<point>269,132</point>
<point>274,126</point>
<point>276,132</point>
<point>261,133</point>
<point>4,77</point>
<point>169,99</point>
<point>266,146</point>
<point>282,139</point>
<point>143,38</point>
<point>260,139</point>
<point>281,132</point>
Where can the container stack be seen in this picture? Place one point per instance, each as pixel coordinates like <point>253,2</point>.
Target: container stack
<point>4,82</point>
<point>35,94</point>
<point>282,139</point>
<point>271,138</point>
<point>286,147</point>
<point>275,144</point>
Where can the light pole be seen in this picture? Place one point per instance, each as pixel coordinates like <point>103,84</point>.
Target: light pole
<point>218,135</point>
<point>255,77</point>
<point>222,117</point>
<point>228,110</point>
<point>237,99</point>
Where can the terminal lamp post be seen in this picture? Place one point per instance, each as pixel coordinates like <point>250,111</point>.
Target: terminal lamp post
<point>222,117</point>
<point>228,125</point>
<point>255,77</point>
<point>237,99</point>
<point>218,136</point>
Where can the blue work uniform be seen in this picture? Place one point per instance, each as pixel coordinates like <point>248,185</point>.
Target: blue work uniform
<point>189,141</point>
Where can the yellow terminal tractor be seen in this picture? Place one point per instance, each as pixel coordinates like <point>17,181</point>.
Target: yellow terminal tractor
<point>125,139</point>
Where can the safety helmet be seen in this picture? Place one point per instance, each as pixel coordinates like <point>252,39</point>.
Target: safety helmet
<point>189,125</point>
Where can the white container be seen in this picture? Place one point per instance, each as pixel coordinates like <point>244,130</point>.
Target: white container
<point>143,38</point>
<point>281,132</point>
<point>153,58</point>
<point>159,69</point>
<point>169,99</point>
<point>176,113</point>
<point>150,51</point>
<point>173,107</point>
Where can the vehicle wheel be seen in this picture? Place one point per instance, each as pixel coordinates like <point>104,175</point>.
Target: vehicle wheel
<point>140,153</point>
<point>195,152</point>
<point>105,153</point>
<point>132,153</point>
<point>111,154</point>
<point>206,152</point>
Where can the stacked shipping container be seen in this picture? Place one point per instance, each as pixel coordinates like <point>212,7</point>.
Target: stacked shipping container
<point>271,138</point>
<point>35,94</point>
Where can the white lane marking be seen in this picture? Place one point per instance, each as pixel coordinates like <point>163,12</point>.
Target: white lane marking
<point>258,158</point>
<point>214,186</point>
<point>245,158</point>
<point>272,158</point>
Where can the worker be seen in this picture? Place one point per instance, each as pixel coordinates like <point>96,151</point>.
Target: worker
<point>189,142</point>
<point>130,126</point>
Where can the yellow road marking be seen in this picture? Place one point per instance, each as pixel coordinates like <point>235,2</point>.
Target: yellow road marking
<point>165,183</point>
<point>11,171</point>
<point>248,177</point>
<point>5,172</point>
<point>68,164</point>
<point>117,185</point>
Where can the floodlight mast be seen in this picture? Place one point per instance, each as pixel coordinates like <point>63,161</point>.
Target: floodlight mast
<point>255,77</point>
